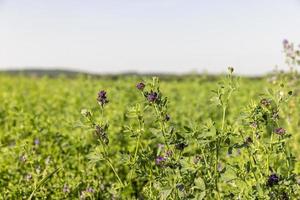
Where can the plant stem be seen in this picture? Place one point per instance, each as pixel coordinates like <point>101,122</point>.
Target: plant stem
<point>114,170</point>
<point>161,124</point>
<point>223,117</point>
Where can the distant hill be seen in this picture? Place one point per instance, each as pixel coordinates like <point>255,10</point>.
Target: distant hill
<point>42,72</point>
<point>57,72</point>
<point>73,73</point>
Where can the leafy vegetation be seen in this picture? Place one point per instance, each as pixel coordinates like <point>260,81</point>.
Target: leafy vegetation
<point>136,137</point>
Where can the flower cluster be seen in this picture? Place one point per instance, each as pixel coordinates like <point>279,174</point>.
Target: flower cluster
<point>102,98</point>
<point>160,160</point>
<point>280,131</point>
<point>292,54</point>
<point>176,152</point>
<point>140,86</point>
<point>164,156</point>
<point>86,193</point>
<point>152,96</point>
<point>273,180</point>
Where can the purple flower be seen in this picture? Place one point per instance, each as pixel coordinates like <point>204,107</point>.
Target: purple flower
<point>140,86</point>
<point>159,160</point>
<point>280,131</point>
<point>102,98</point>
<point>285,42</point>
<point>152,97</point>
<point>272,180</point>
<point>37,141</point>
<point>90,190</point>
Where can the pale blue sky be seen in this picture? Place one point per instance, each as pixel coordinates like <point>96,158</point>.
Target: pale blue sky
<point>147,36</point>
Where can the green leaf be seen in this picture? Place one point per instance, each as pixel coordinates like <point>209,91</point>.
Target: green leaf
<point>199,184</point>
<point>165,193</point>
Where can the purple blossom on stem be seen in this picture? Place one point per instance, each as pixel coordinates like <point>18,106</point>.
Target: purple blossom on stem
<point>37,141</point>
<point>285,43</point>
<point>280,131</point>
<point>140,86</point>
<point>272,180</point>
<point>159,160</point>
<point>152,97</point>
<point>90,190</point>
<point>102,98</point>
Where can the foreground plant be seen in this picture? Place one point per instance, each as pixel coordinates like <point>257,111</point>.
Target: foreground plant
<point>247,157</point>
<point>100,129</point>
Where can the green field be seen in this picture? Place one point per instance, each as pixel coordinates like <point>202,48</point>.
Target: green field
<point>196,137</point>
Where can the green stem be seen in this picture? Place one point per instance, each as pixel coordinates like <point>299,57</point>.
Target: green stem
<point>114,170</point>
<point>217,152</point>
<point>42,182</point>
<point>162,127</point>
<point>138,141</point>
<point>223,118</point>
<point>206,164</point>
<point>137,147</point>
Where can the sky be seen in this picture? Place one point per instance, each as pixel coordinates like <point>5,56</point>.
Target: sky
<point>170,36</point>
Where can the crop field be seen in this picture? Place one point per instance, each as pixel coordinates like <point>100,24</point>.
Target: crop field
<point>142,137</point>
